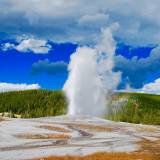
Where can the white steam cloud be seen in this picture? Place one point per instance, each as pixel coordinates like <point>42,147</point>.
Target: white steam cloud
<point>91,77</point>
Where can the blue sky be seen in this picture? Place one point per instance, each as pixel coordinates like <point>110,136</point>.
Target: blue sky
<point>49,69</point>
<point>37,38</point>
<point>18,67</point>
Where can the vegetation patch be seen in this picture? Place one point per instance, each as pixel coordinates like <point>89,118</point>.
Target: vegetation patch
<point>33,103</point>
<point>136,108</point>
<point>152,147</point>
<point>1,119</point>
<point>43,136</point>
<point>90,127</point>
<point>106,156</point>
<point>54,128</point>
<point>125,107</point>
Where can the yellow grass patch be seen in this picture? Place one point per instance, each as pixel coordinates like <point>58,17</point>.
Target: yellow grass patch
<point>105,156</point>
<point>147,129</point>
<point>150,147</point>
<point>43,136</point>
<point>1,119</point>
<point>91,127</point>
<point>150,150</point>
<point>54,128</point>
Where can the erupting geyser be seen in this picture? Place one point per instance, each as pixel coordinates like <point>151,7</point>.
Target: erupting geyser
<point>91,77</point>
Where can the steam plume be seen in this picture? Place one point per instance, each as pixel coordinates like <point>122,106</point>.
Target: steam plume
<point>91,77</point>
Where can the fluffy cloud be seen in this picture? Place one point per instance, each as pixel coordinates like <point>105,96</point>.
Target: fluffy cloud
<point>136,71</point>
<point>5,87</point>
<point>52,68</point>
<point>63,20</point>
<point>36,46</point>
<point>7,46</point>
<point>153,87</point>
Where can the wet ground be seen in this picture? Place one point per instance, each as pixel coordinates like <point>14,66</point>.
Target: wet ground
<point>77,136</point>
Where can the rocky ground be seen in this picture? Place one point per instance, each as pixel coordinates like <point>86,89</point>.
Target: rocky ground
<point>80,137</point>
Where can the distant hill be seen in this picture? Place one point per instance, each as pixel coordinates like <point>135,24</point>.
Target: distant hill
<point>126,107</point>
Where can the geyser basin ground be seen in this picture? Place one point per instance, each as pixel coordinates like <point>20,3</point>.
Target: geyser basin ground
<point>76,136</point>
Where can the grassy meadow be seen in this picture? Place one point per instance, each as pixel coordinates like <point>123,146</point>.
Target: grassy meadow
<point>135,108</point>
<point>126,107</point>
<point>33,103</point>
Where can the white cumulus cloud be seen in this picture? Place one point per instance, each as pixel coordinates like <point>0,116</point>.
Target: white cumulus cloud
<point>153,87</point>
<point>6,87</point>
<point>34,45</point>
<point>37,46</point>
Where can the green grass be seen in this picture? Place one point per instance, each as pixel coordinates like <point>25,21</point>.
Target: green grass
<point>33,103</point>
<point>139,108</point>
